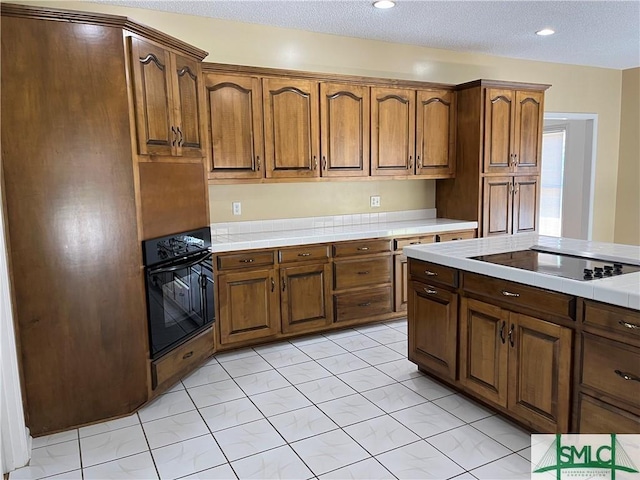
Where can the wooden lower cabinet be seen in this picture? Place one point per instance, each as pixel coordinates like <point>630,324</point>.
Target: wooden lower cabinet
<point>518,362</point>
<point>433,328</point>
<point>596,416</point>
<point>249,303</point>
<point>305,300</point>
<point>401,283</point>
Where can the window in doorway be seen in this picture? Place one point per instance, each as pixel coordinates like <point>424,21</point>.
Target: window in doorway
<point>553,145</point>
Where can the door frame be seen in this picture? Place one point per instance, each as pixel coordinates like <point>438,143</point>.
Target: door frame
<point>593,118</point>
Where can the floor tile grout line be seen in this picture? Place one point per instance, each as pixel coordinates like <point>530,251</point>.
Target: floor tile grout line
<point>471,424</point>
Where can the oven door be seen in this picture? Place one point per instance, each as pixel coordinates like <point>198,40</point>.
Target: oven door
<point>179,301</point>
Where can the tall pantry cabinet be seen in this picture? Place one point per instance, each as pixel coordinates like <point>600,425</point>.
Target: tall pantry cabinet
<point>499,148</point>
<point>86,173</point>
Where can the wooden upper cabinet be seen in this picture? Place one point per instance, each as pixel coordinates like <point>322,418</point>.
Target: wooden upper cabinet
<point>435,133</point>
<point>393,126</point>
<point>291,128</point>
<point>344,121</point>
<point>167,91</point>
<point>234,110</point>
<point>499,130</point>
<point>529,117</point>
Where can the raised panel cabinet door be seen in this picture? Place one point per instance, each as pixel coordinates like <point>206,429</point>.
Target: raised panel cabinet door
<point>249,305</point>
<point>187,102</point>
<point>435,133</point>
<point>291,128</point>
<point>525,203</point>
<point>155,123</point>
<point>234,110</point>
<point>401,283</point>
<point>393,129</point>
<point>529,116</point>
<point>484,350</point>
<point>499,111</point>
<point>497,215</point>
<point>345,125</point>
<point>305,297</point>
<point>539,372</point>
<point>433,329</point>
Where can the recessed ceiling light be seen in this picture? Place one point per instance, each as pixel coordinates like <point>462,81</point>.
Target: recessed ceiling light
<point>545,31</point>
<point>384,4</point>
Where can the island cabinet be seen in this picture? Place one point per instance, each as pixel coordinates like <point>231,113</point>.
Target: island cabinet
<point>608,380</point>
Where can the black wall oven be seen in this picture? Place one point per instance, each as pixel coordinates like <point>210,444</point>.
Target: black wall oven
<point>179,288</point>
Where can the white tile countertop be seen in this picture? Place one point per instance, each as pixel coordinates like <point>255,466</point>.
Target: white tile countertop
<point>623,290</point>
<point>234,236</point>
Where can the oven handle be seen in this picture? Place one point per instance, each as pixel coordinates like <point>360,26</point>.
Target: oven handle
<point>180,265</point>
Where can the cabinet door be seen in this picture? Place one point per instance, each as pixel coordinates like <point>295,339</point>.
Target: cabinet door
<point>529,115</point>
<point>306,298</point>
<point>539,372</point>
<point>187,102</point>
<point>525,203</point>
<point>291,127</point>
<point>433,328</point>
<point>498,130</point>
<point>345,121</point>
<point>234,109</point>
<point>401,283</point>
<point>497,206</point>
<point>483,350</point>
<point>249,305</point>
<point>393,125</point>
<point>435,134</point>
<point>153,105</point>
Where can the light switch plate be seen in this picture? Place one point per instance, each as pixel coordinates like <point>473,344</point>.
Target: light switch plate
<point>375,201</point>
<point>237,208</point>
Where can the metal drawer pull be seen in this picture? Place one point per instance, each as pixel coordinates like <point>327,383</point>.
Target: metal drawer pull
<point>632,326</point>
<point>457,238</point>
<point>304,254</point>
<point>366,272</point>
<point>430,291</point>
<point>627,376</point>
<point>366,304</point>
<point>363,249</point>
<point>509,294</point>
<point>247,260</point>
<point>429,273</point>
<point>415,243</point>
<point>187,355</point>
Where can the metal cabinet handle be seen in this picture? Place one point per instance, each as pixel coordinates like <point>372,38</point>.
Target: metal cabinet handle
<point>631,326</point>
<point>410,162</point>
<point>504,324</point>
<point>273,285</point>
<point>515,159</point>
<point>315,162</point>
<point>247,260</point>
<point>363,249</point>
<point>175,136</point>
<point>324,162</point>
<point>430,291</point>
<point>429,273</point>
<point>509,294</point>
<point>366,272</point>
<point>284,285</point>
<point>304,254</point>
<point>627,376</point>
<point>510,334</point>
<point>258,161</point>
<point>516,188</point>
<point>419,161</point>
<point>187,355</point>
<point>180,140</point>
<point>365,304</point>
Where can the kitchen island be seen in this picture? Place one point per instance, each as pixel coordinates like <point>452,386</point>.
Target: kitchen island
<point>555,354</point>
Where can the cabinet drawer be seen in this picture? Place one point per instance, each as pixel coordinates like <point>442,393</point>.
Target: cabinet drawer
<point>448,237</point>
<point>245,260</point>
<point>302,254</point>
<point>400,243</point>
<point>364,247</point>
<point>360,273</point>
<point>352,306</point>
<point>557,304</point>
<point>600,417</point>
<point>179,361</point>
<point>621,322</point>
<point>611,367</point>
<point>433,273</point>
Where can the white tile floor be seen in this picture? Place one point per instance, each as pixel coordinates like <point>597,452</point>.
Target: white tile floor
<point>342,405</point>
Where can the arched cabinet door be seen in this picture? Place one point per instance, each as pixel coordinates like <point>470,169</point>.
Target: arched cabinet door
<point>291,130</point>
<point>234,111</point>
<point>499,131</point>
<point>393,127</point>
<point>187,101</point>
<point>529,117</point>
<point>436,134</point>
<point>345,121</point>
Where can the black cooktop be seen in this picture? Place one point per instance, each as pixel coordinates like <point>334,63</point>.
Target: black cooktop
<point>560,265</point>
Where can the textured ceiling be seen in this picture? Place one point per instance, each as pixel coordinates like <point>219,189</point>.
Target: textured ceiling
<point>595,33</point>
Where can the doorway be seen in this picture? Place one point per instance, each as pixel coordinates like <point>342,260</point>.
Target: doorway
<point>568,175</point>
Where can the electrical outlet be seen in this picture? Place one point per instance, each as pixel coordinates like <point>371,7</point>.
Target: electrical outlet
<point>237,208</point>
<point>375,201</point>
